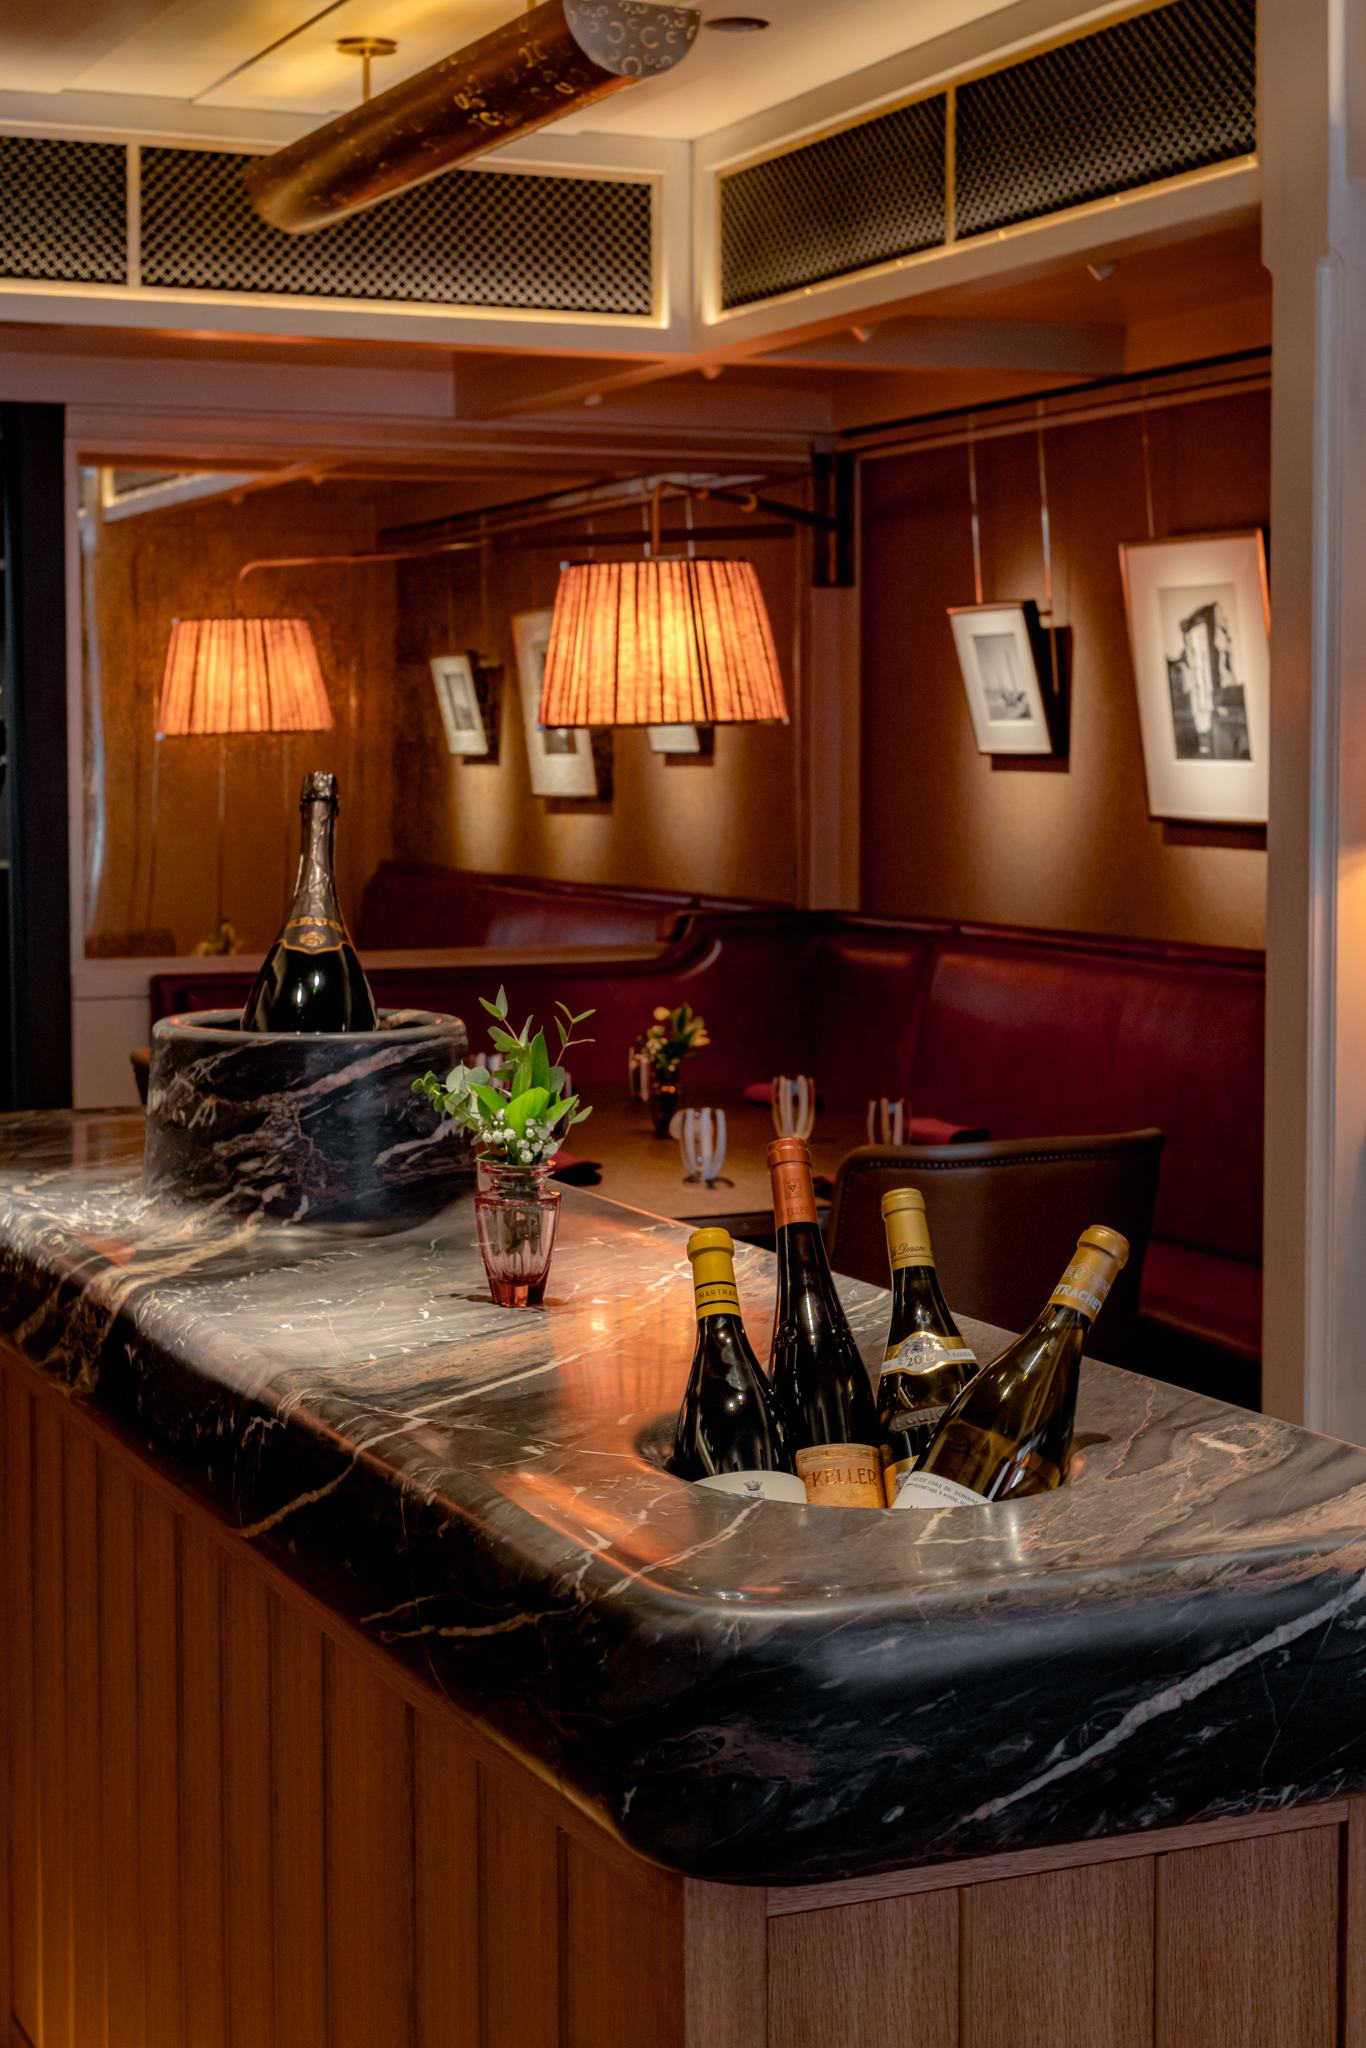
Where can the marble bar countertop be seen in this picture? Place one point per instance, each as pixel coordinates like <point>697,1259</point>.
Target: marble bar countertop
<point>744,1691</point>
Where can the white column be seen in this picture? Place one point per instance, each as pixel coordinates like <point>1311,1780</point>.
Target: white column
<point>1311,99</point>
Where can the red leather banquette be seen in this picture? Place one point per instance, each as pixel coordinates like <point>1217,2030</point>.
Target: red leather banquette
<point>1031,1033</point>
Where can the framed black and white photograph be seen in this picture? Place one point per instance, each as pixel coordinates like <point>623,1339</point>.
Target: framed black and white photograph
<point>1008,678</point>
<point>458,699</point>
<point>561,757</point>
<point>1199,630</point>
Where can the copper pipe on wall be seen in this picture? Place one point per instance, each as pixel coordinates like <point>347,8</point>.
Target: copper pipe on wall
<point>561,56</point>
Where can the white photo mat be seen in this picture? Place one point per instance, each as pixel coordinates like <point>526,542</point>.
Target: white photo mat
<point>996,656</point>
<point>561,758</point>
<point>1199,630</point>
<point>458,701</point>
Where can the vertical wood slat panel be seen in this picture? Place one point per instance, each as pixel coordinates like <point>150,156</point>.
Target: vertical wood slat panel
<point>249,1893</point>
<point>84,1724</point>
<point>725,1963</point>
<point>446,1888</point>
<point>49,1692</point>
<point>520,1856</point>
<point>299,1749</point>
<point>1352,1928</point>
<point>369,1857</point>
<point>159,1768</point>
<point>202,1848</point>
<point>119,1755</point>
<point>22,1836</point>
<point>1063,1959</point>
<point>1250,1939</point>
<point>879,1975</point>
<point>622,1954</point>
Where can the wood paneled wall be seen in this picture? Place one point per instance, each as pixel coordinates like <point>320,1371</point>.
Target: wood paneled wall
<point>1028,841</point>
<point>231,1822</point>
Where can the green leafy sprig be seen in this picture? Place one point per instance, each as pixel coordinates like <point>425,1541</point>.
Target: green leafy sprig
<point>673,1037</point>
<point>520,1114</point>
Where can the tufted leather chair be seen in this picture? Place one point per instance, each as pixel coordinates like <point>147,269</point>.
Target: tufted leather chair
<point>1005,1218</point>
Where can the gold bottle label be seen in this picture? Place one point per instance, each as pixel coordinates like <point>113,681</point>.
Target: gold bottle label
<point>1086,1282</point>
<point>922,1350</point>
<point>841,1475</point>
<point>713,1272</point>
<point>908,1239</point>
<point>313,935</point>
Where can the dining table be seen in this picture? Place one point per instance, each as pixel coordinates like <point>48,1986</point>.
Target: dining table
<point>647,1172</point>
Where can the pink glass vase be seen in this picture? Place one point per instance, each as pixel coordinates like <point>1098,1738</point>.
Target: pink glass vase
<point>516,1210</point>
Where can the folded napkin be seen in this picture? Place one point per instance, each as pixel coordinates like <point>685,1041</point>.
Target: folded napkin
<point>762,1091</point>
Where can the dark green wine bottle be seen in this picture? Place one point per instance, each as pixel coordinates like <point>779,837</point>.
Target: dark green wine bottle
<point>819,1380</point>
<point>927,1364</point>
<point>311,979</point>
<point>729,1434</point>
<point>1010,1430</point>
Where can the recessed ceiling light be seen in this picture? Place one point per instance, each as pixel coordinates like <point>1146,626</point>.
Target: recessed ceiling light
<point>736,24</point>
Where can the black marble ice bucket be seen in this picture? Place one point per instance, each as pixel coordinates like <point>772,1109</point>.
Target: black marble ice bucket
<point>297,1126</point>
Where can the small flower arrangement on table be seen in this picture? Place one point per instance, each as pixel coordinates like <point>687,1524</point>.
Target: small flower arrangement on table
<point>518,1116</point>
<point>661,1050</point>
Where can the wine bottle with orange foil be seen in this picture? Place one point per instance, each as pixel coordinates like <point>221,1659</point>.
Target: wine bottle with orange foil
<point>819,1380</point>
<point>927,1364</point>
<point>311,979</point>
<point>1010,1430</point>
<point>729,1434</point>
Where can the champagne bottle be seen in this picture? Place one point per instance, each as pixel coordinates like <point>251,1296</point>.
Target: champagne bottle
<point>729,1435</point>
<point>818,1377</point>
<point>1010,1430</point>
<point>311,979</point>
<point>927,1364</point>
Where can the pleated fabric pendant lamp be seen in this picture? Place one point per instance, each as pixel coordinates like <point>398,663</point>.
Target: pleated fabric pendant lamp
<point>242,675</point>
<point>671,642</point>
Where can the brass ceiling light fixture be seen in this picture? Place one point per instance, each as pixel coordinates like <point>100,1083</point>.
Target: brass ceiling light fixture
<point>366,48</point>
<point>562,56</point>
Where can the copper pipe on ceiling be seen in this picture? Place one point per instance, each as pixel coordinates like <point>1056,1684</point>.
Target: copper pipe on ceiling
<point>561,56</point>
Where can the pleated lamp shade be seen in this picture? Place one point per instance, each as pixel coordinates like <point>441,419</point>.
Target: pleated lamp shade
<point>667,642</point>
<point>242,675</point>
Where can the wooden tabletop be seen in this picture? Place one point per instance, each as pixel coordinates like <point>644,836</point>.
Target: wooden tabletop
<point>648,1172</point>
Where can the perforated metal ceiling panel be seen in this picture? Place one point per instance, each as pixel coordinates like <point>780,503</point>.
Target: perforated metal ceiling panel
<point>865,196</point>
<point>470,238</point>
<point>1166,92</point>
<point>63,212</point>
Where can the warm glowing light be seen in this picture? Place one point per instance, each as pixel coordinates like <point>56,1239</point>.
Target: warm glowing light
<point>669,642</point>
<point>242,675</point>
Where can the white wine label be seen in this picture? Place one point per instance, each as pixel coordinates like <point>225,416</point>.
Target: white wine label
<point>842,1475</point>
<point>929,1490</point>
<point>758,1485</point>
<point>921,1349</point>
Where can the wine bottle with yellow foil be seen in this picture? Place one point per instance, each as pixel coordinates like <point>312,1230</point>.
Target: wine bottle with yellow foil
<point>729,1434</point>
<point>927,1364</point>
<point>819,1380</point>
<point>311,979</point>
<point>1010,1430</point>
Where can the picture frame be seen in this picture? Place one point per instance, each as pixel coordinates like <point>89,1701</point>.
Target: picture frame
<point>560,758</point>
<point>1012,677</point>
<point>673,739</point>
<point>457,699</point>
<point>1199,615</point>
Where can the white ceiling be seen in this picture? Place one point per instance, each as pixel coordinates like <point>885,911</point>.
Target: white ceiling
<point>280,55</point>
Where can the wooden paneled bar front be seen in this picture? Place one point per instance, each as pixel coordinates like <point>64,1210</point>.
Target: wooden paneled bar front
<point>245,1808</point>
<point>232,1822</point>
